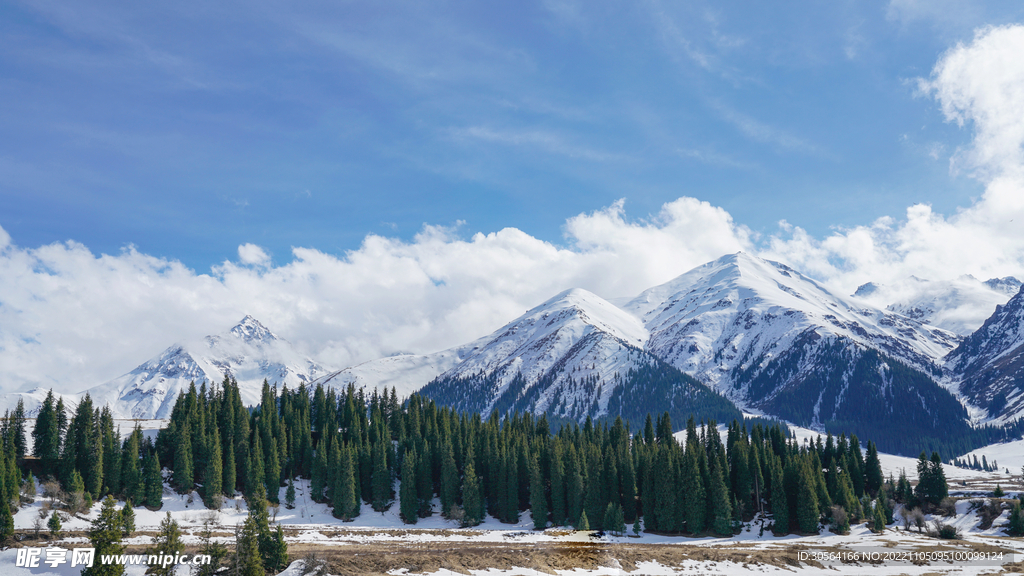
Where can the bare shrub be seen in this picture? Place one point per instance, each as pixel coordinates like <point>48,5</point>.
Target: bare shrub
<point>313,564</point>
<point>942,530</point>
<point>51,490</point>
<point>914,518</point>
<point>947,507</point>
<point>840,520</point>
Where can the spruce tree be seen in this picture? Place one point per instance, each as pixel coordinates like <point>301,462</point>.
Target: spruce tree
<point>289,495</point>
<point>694,502</point>
<point>719,507</point>
<point>154,483</point>
<point>538,500</point>
<point>872,470</point>
<point>665,490</point>
<point>182,475</point>
<point>318,482</point>
<point>807,513</point>
<point>1016,524</point>
<point>127,520</point>
<point>248,561</point>
<point>6,522</point>
<point>878,519</point>
<point>54,526</point>
<point>133,486</point>
<point>583,523</point>
<point>780,505</point>
<point>381,479</point>
<point>449,488</point>
<point>105,537</point>
<point>408,501</point>
<point>229,480</point>
<point>167,541</point>
<point>472,499</point>
<point>212,479</point>
<point>346,492</point>
<point>557,472</point>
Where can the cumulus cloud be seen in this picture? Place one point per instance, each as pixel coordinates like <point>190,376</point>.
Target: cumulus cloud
<point>978,85</point>
<point>253,255</point>
<point>72,319</point>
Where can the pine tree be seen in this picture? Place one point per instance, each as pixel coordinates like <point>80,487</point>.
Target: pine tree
<point>255,480</point>
<point>272,476</point>
<point>182,476</point>
<point>538,500</point>
<point>167,541</point>
<point>807,513</point>
<point>247,551</point>
<point>127,520</point>
<point>613,519</point>
<point>694,503</point>
<point>665,490</point>
<point>408,501</point>
<point>780,505</point>
<point>583,523</point>
<point>345,494</point>
<point>212,487</point>
<point>6,522</point>
<point>719,508</point>
<point>289,495</point>
<point>872,470</point>
<point>105,537</point>
<point>449,480</point>
<point>229,480</point>
<point>472,499</point>
<point>133,486</point>
<point>154,484</point>
<point>318,482</point>
<point>54,526</point>
<point>381,479</point>
<point>557,468</point>
<point>1016,525</point>
<point>878,520</point>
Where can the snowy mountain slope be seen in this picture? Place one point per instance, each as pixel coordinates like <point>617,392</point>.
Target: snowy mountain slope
<point>248,352</point>
<point>959,305</point>
<point>989,364</point>
<point>574,356</point>
<point>735,314</point>
<point>406,373</point>
<point>774,340</point>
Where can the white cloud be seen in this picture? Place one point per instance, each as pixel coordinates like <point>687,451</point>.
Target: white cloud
<point>980,85</point>
<point>253,255</point>
<point>72,319</point>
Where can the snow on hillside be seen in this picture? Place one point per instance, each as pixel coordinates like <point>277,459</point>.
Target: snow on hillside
<point>989,364</point>
<point>739,312</point>
<point>248,352</point>
<point>406,373</point>
<point>576,335</point>
<point>960,305</point>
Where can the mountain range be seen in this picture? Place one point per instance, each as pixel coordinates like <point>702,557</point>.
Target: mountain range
<point>737,333</point>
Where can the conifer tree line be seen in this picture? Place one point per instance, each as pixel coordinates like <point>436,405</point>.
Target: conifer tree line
<point>86,454</point>
<point>378,451</point>
<point>356,450</point>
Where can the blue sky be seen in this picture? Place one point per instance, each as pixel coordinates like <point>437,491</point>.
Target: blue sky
<point>371,178</point>
<point>186,129</point>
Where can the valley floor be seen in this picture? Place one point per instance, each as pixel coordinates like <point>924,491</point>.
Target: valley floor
<point>380,543</point>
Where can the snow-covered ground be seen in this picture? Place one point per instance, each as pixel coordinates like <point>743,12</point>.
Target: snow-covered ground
<point>311,523</point>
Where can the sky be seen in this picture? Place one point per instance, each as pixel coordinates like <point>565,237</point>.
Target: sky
<point>369,178</point>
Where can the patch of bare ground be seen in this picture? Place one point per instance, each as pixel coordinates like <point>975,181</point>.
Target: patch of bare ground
<point>547,557</point>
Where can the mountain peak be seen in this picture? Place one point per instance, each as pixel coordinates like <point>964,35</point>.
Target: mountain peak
<point>250,330</point>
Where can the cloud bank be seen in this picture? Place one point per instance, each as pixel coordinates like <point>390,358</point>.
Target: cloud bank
<point>71,319</point>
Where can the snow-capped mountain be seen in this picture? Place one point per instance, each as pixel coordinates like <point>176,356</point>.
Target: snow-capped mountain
<point>960,305</point>
<point>737,313</point>
<point>248,352</point>
<point>772,339</point>
<point>574,356</point>
<point>989,364</point>
<point>406,373</point>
